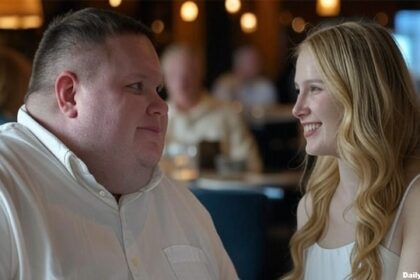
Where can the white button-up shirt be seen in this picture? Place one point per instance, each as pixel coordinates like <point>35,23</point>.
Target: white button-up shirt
<point>58,222</point>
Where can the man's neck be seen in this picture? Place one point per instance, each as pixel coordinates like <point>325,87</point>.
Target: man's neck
<point>117,197</point>
<point>119,179</point>
<point>126,184</point>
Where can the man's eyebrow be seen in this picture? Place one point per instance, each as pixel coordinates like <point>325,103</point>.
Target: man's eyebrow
<point>146,77</point>
<point>314,81</point>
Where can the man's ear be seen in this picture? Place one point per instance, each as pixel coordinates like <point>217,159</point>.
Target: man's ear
<point>66,86</point>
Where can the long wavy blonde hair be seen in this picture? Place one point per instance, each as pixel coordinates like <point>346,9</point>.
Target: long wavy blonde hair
<point>365,72</point>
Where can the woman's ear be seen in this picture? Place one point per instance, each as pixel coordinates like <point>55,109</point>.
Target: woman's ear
<point>66,86</point>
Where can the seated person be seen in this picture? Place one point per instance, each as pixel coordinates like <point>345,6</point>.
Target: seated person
<point>195,116</point>
<point>81,196</point>
<point>245,83</point>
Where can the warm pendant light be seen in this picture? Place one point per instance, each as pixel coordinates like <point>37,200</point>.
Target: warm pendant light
<point>249,22</point>
<point>189,11</point>
<point>232,6</point>
<point>328,8</point>
<point>115,3</point>
<point>20,14</point>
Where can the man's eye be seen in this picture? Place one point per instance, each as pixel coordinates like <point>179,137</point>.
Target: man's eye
<point>137,86</point>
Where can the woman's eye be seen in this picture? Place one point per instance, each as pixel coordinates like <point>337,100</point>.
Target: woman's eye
<point>315,89</point>
<point>297,91</point>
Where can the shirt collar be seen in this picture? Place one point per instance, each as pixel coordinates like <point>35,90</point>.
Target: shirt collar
<point>75,166</point>
<point>48,139</point>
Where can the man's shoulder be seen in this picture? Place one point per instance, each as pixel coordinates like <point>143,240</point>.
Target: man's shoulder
<point>173,189</point>
<point>13,133</point>
<point>19,148</point>
<point>179,197</point>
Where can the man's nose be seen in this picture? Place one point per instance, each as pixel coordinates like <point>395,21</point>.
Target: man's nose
<point>158,106</point>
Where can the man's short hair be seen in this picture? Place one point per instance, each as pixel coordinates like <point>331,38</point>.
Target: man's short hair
<point>74,35</point>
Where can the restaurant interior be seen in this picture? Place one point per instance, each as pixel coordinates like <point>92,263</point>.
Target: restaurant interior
<point>254,213</point>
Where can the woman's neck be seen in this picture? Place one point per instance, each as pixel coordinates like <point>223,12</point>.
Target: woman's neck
<point>349,181</point>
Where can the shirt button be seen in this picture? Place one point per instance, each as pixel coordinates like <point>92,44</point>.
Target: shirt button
<point>102,193</point>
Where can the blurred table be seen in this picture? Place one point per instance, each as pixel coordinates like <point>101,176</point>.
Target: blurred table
<point>213,180</point>
<point>273,185</point>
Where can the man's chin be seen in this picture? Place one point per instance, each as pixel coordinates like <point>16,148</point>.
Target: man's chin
<point>151,160</point>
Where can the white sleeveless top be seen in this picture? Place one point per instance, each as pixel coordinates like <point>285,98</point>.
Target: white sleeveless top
<point>334,264</point>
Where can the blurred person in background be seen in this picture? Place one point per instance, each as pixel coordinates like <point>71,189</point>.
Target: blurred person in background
<point>195,117</point>
<point>15,70</point>
<point>360,114</point>
<point>245,84</point>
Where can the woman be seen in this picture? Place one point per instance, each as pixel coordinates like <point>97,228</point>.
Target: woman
<point>360,116</point>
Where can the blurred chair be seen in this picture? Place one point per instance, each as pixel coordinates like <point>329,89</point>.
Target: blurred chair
<point>15,70</point>
<point>239,217</point>
<point>279,144</point>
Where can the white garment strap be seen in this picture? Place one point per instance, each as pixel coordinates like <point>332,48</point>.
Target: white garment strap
<point>399,210</point>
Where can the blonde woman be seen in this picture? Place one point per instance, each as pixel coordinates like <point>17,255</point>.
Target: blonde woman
<point>360,114</point>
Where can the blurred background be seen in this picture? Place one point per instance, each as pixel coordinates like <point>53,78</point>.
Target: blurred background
<point>220,26</point>
<point>253,212</point>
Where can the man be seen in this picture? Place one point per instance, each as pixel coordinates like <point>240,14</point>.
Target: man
<point>195,116</point>
<point>80,194</point>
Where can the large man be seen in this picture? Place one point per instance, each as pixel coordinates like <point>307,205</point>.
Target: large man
<point>80,194</point>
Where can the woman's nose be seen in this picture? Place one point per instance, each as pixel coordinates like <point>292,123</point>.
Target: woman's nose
<point>300,109</point>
